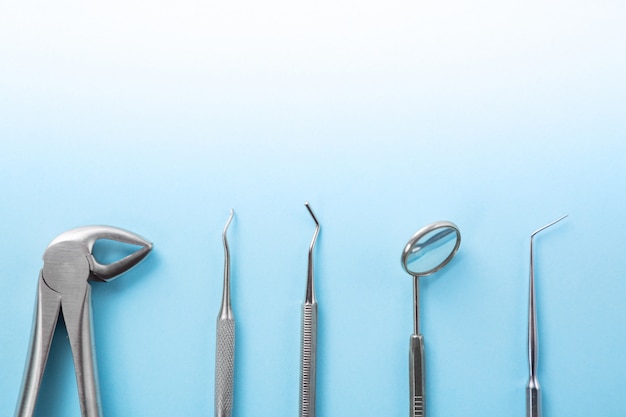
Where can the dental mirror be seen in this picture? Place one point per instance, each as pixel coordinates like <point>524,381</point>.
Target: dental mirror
<point>429,250</point>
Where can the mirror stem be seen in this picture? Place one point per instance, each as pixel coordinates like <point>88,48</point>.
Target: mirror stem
<point>416,305</point>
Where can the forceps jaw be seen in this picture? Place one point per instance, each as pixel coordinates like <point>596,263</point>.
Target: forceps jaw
<point>108,272</point>
<point>88,235</point>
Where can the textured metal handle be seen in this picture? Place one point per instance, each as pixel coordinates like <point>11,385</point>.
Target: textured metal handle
<point>224,367</point>
<point>416,377</point>
<point>307,368</point>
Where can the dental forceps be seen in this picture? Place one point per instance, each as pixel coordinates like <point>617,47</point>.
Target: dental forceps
<point>63,289</point>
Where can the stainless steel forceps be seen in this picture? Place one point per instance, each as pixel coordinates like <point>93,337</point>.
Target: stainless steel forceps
<point>68,265</point>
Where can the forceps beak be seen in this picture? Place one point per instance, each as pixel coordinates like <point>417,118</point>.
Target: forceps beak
<point>88,235</point>
<point>107,272</point>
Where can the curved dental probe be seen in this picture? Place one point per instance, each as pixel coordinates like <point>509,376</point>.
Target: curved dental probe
<point>533,390</point>
<point>310,289</point>
<point>309,334</point>
<point>225,341</point>
<point>63,289</point>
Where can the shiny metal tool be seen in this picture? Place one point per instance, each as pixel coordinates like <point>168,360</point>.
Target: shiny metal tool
<point>429,250</point>
<point>309,334</point>
<point>225,341</point>
<point>533,390</point>
<point>68,265</point>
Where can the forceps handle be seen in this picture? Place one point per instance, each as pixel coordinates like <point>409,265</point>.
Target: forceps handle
<point>416,376</point>
<point>309,359</point>
<point>224,367</point>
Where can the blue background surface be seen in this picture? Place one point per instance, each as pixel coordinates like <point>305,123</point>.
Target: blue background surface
<point>160,116</point>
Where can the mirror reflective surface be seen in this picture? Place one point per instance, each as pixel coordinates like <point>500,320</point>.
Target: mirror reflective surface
<point>431,248</point>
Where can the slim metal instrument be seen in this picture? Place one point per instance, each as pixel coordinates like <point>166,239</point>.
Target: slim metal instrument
<point>533,390</point>
<point>225,341</point>
<point>429,250</point>
<point>309,335</point>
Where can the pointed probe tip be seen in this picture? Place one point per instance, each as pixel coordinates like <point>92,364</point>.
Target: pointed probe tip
<point>548,225</point>
<point>230,219</point>
<point>308,207</point>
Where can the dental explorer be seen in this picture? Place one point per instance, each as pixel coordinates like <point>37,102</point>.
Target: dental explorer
<point>429,250</point>
<point>225,341</point>
<point>309,334</point>
<point>533,390</point>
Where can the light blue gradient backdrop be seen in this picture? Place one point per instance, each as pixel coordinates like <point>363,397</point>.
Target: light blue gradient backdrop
<point>160,116</point>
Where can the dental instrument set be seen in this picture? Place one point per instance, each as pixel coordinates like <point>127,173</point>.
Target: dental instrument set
<point>64,290</point>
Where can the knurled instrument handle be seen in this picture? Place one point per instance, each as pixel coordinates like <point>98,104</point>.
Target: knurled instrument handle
<point>308,365</point>
<point>224,367</point>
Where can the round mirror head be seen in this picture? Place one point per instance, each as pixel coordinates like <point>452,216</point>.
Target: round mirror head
<point>431,248</point>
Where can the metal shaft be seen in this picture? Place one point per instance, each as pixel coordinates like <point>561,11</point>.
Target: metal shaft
<point>417,383</point>
<point>416,305</point>
<point>533,390</point>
